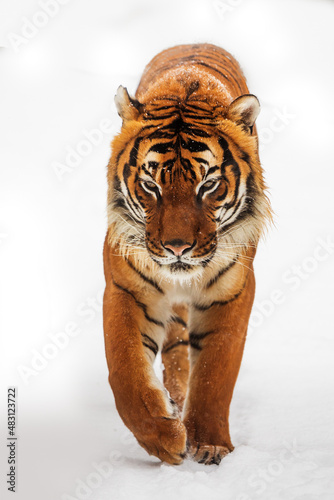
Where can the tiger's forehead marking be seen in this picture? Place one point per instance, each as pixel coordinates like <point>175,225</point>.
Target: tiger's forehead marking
<point>201,161</point>
<point>181,154</point>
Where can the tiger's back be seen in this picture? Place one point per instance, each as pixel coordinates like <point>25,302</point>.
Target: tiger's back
<point>179,70</point>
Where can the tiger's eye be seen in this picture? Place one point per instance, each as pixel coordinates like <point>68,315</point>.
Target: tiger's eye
<point>149,184</point>
<point>209,184</point>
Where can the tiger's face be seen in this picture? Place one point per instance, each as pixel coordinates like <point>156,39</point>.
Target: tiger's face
<point>182,181</point>
<point>181,186</point>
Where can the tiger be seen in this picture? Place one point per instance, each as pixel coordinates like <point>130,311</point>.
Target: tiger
<point>186,206</point>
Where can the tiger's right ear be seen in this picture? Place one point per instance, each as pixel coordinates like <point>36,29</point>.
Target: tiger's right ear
<point>128,108</point>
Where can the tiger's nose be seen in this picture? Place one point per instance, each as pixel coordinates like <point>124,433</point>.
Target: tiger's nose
<point>177,247</point>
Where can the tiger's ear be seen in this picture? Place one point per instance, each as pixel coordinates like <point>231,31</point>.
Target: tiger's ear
<point>244,110</point>
<point>128,107</point>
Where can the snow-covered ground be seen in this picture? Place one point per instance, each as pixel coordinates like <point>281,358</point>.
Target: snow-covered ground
<point>59,73</point>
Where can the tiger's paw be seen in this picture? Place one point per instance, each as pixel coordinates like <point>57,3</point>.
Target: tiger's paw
<point>167,440</point>
<point>208,454</point>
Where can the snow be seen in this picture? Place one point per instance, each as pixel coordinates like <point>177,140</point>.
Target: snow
<point>57,89</point>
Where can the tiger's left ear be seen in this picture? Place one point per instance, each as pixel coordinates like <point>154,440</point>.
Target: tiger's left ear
<point>244,110</point>
<point>128,107</point>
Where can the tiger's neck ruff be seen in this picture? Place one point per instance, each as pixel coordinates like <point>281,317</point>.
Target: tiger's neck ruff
<point>186,208</point>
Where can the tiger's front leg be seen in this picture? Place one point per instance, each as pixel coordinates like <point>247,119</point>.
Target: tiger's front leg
<point>175,355</point>
<point>217,338</point>
<point>132,338</point>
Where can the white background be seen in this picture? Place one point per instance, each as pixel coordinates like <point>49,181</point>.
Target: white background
<point>55,87</point>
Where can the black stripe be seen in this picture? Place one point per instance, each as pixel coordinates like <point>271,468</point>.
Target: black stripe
<point>161,117</point>
<point>195,132</point>
<point>118,200</point>
<point>220,198</point>
<point>162,133</point>
<point>222,272</point>
<point>144,169</point>
<point>199,108</point>
<point>162,147</point>
<point>177,125</point>
<point>152,345</point>
<point>151,348</point>
<point>187,166</point>
<point>248,208</point>
<point>140,199</point>
<point>198,117</point>
<point>176,344</point>
<point>245,156</point>
<point>200,63</point>
<point>194,146</point>
<point>119,203</point>
<point>251,194</point>
<point>166,167</point>
<point>134,152</point>
<point>117,184</point>
<point>134,207</point>
<point>243,215</point>
<point>235,209</point>
<point>177,319</point>
<point>194,85</point>
<point>201,160</point>
<point>233,73</point>
<point>120,154</point>
<point>227,161</point>
<point>195,338</point>
<point>169,98</point>
<point>205,456</point>
<point>217,60</point>
<point>145,278</point>
<point>200,307</point>
<point>145,128</point>
<point>157,107</point>
<point>212,170</point>
<point>140,304</point>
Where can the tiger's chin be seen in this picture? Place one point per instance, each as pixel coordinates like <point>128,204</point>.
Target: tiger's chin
<point>181,272</point>
<point>180,267</point>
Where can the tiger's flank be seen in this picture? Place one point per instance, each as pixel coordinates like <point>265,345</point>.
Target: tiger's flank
<point>186,209</point>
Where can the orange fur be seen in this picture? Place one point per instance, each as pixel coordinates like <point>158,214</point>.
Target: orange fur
<point>184,178</point>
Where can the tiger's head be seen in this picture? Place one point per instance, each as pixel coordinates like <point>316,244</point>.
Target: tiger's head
<point>185,181</point>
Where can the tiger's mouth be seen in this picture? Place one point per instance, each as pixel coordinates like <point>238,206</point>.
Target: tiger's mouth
<point>182,265</point>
